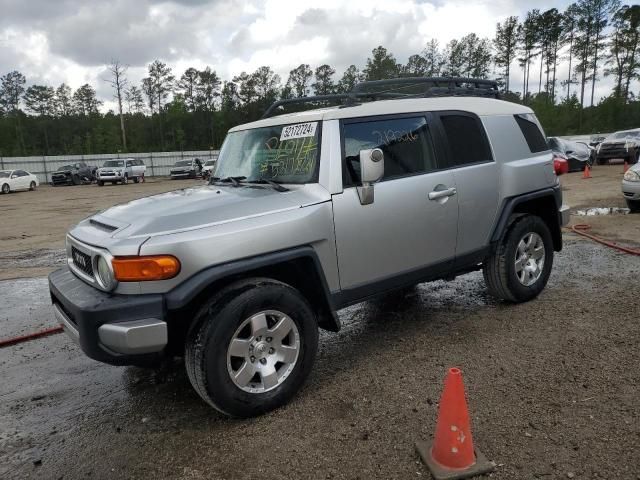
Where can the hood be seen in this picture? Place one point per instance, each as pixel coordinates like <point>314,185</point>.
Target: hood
<point>203,206</point>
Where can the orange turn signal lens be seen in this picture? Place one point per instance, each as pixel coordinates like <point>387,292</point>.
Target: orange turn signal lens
<point>141,269</point>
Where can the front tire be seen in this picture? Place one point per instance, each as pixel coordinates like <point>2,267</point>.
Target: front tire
<point>251,347</point>
<point>32,186</point>
<point>6,188</point>
<point>519,269</point>
<point>100,183</point>
<point>125,180</point>
<point>75,179</point>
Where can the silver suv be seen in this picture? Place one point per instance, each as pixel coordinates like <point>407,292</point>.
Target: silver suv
<point>308,213</point>
<point>121,171</point>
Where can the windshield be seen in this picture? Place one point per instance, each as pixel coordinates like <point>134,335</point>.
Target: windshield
<point>66,167</point>
<point>282,153</point>
<point>113,163</point>
<point>629,134</point>
<point>5,173</point>
<point>183,163</point>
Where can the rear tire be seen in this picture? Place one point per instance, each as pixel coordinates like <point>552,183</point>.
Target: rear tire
<point>518,271</point>
<point>214,371</point>
<point>634,206</point>
<point>75,179</point>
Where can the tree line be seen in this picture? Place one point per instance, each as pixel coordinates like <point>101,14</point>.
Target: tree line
<point>593,39</point>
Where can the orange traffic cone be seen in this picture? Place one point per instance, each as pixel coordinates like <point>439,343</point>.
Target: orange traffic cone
<point>587,171</point>
<point>451,454</point>
<point>626,167</point>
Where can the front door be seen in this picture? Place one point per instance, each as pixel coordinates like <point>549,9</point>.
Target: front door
<point>412,224</point>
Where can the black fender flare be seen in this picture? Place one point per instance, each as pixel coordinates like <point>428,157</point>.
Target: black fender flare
<point>510,205</point>
<point>183,294</point>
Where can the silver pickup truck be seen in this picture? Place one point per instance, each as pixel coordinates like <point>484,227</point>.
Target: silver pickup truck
<point>307,213</point>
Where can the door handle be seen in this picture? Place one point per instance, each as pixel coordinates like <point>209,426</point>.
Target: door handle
<point>437,194</point>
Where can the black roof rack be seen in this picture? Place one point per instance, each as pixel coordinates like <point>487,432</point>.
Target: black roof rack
<point>404,87</point>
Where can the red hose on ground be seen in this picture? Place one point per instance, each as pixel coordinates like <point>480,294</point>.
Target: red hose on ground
<point>581,229</point>
<point>30,336</point>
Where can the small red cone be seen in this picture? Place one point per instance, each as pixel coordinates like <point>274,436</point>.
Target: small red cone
<point>451,455</point>
<point>587,171</point>
<point>626,167</point>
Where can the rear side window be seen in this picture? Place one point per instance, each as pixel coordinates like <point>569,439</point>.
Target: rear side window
<point>405,142</point>
<point>467,140</point>
<point>532,133</point>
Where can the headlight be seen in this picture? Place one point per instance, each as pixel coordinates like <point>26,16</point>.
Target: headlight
<point>631,176</point>
<point>104,274</point>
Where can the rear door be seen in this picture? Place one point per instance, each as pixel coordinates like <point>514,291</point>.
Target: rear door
<point>470,160</point>
<point>407,230</point>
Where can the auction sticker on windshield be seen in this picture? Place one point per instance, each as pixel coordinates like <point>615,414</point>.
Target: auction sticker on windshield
<point>298,131</point>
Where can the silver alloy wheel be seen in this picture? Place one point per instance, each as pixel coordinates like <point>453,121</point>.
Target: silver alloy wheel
<point>263,351</point>
<point>530,257</point>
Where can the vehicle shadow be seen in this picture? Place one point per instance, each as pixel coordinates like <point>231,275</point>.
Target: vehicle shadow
<point>368,328</point>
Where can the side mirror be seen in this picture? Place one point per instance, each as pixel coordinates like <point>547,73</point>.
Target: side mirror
<point>371,170</point>
<point>569,152</point>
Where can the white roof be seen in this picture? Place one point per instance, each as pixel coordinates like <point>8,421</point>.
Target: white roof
<point>478,105</point>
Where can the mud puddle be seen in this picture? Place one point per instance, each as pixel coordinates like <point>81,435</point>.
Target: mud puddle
<point>597,211</point>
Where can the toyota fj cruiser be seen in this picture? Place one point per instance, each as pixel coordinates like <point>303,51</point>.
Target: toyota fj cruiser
<point>307,213</point>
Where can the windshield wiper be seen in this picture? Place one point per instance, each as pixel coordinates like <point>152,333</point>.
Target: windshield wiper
<point>276,186</point>
<point>235,181</point>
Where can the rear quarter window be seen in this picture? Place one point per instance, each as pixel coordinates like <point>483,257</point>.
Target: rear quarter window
<point>467,140</point>
<point>532,132</point>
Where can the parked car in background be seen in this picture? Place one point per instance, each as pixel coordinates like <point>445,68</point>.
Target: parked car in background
<point>121,170</point>
<point>207,169</point>
<point>623,145</point>
<point>631,188</point>
<point>13,180</point>
<point>73,174</point>
<point>596,139</point>
<point>187,168</point>
<point>577,154</point>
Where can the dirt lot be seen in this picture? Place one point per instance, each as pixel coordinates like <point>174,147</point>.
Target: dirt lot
<point>552,384</point>
<point>35,223</point>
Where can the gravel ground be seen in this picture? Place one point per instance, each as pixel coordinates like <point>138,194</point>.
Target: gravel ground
<point>552,384</point>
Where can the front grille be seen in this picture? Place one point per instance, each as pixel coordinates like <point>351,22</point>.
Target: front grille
<point>612,146</point>
<point>82,261</point>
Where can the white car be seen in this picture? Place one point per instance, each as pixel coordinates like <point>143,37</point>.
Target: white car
<point>631,188</point>
<point>208,166</point>
<point>13,180</point>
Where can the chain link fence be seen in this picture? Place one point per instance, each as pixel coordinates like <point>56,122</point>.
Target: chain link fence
<point>158,163</point>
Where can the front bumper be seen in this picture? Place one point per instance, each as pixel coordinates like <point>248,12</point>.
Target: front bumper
<point>61,179</point>
<point>111,328</point>
<point>182,174</point>
<point>110,178</point>
<point>631,190</point>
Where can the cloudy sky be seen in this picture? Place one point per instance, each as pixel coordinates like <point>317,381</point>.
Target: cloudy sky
<point>54,41</point>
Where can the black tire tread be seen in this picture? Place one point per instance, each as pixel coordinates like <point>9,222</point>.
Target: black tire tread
<point>200,330</point>
<point>495,269</point>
